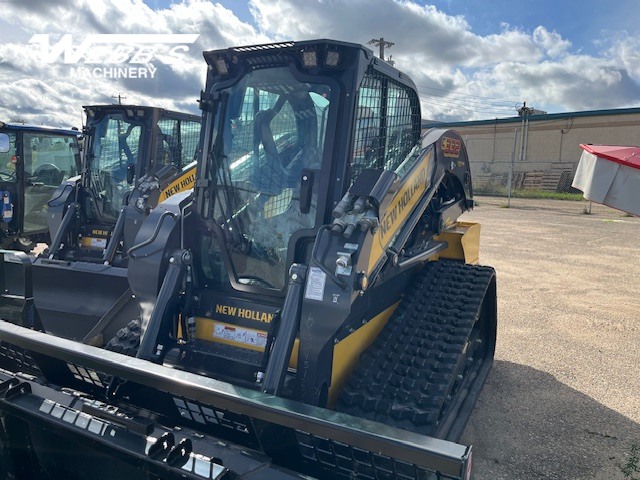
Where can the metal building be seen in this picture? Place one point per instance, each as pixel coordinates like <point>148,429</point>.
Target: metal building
<point>545,147</point>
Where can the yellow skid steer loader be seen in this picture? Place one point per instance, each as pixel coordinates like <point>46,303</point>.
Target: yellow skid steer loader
<point>313,309</point>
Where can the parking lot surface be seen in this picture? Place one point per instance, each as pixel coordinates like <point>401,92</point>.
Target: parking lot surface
<point>563,398</point>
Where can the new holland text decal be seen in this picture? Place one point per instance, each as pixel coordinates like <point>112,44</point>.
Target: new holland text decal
<point>185,182</point>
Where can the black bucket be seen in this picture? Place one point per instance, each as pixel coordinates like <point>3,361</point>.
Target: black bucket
<point>72,297</point>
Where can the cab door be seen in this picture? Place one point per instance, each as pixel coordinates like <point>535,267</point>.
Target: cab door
<point>9,191</point>
<point>49,159</point>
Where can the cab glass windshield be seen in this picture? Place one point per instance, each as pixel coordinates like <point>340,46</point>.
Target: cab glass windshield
<point>272,129</point>
<point>113,152</point>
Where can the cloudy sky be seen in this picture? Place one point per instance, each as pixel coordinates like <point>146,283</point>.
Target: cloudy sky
<point>471,59</point>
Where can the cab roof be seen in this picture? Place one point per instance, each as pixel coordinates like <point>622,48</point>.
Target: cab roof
<point>140,111</point>
<point>37,128</point>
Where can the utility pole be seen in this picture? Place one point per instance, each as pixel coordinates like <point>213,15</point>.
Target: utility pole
<point>381,43</point>
<point>120,97</point>
<point>524,112</point>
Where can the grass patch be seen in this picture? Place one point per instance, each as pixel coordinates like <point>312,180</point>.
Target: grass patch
<point>633,463</point>
<point>503,192</point>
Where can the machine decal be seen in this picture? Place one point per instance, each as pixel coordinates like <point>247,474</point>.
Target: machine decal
<point>96,240</point>
<point>240,335</point>
<point>245,313</point>
<point>185,182</point>
<point>315,284</point>
<point>408,195</point>
<point>7,207</point>
<point>451,147</point>
<point>230,334</point>
<point>94,243</point>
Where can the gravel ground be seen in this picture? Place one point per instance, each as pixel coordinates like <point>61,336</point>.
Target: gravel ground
<point>563,398</point>
<point>566,206</point>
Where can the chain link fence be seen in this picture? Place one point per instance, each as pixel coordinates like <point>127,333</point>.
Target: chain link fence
<point>504,175</point>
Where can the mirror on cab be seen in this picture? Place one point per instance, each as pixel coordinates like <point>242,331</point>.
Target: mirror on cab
<point>5,145</point>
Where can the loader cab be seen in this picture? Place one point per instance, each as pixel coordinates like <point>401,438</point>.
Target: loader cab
<point>34,161</point>
<point>125,143</point>
<point>280,154</point>
<point>316,204</point>
<point>271,137</point>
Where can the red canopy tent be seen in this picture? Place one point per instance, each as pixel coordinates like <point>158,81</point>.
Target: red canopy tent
<point>610,175</point>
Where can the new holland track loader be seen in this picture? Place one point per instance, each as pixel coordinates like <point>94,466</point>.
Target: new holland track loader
<point>134,157</point>
<point>312,309</point>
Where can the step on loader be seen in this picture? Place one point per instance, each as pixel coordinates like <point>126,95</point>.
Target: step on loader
<point>134,158</point>
<point>314,308</point>
<point>34,161</point>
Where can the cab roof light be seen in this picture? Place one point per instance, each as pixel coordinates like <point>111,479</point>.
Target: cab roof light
<point>309,58</point>
<point>221,66</point>
<point>332,59</point>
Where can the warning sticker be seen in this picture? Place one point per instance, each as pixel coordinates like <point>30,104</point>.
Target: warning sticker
<point>240,335</point>
<point>98,242</point>
<point>315,284</point>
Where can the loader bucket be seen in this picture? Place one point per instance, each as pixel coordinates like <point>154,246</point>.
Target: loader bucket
<point>71,298</point>
<point>204,427</point>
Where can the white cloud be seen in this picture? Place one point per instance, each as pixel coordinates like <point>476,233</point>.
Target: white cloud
<point>575,82</point>
<point>458,72</point>
<point>626,51</point>
<point>21,63</point>
<point>552,43</point>
<point>415,29</point>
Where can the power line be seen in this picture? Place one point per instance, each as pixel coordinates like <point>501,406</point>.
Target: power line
<point>493,113</point>
<point>469,106</point>
<point>452,92</point>
<point>465,102</point>
<point>477,101</point>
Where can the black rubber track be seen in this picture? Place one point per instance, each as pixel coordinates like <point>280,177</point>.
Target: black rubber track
<point>127,339</point>
<point>411,373</point>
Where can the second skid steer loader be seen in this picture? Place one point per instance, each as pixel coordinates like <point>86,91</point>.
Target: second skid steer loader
<point>134,157</point>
